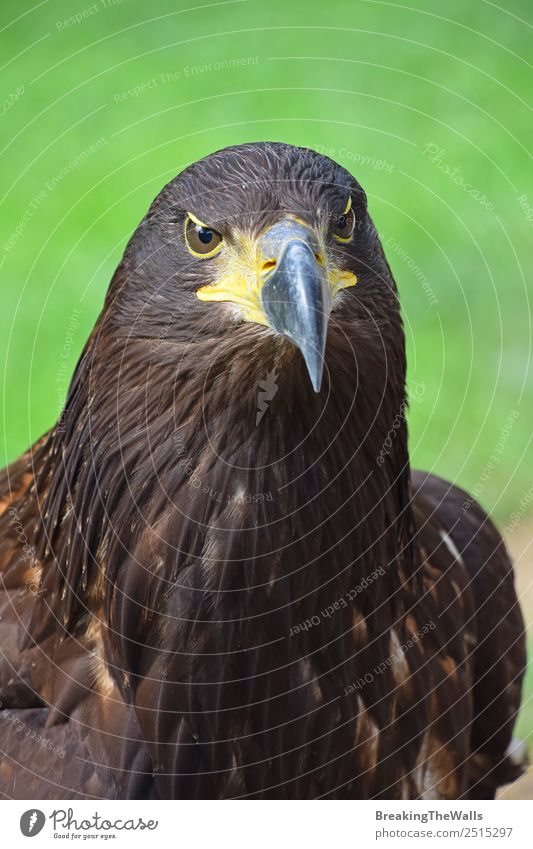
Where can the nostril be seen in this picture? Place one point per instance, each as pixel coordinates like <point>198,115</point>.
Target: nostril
<point>319,258</point>
<point>268,264</point>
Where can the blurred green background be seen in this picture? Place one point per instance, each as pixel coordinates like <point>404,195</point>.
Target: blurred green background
<point>429,105</point>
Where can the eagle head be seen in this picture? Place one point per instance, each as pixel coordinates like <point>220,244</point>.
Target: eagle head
<point>267,240</point>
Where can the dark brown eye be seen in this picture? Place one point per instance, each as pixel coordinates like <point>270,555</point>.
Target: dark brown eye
<point>345,225</point>
<point>201,240</point>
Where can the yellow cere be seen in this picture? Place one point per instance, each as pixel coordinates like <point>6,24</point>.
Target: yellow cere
<point>240,278</point>
<point>340,279</point>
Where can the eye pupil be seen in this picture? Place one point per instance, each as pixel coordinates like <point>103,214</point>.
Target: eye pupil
<point>342,222</point>
<point>205,235</point>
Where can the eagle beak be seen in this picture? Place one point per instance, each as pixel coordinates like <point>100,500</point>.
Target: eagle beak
<point>295,293</point>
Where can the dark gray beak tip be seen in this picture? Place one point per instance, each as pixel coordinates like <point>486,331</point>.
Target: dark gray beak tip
<point>317,383</point>
<point>314,361</point>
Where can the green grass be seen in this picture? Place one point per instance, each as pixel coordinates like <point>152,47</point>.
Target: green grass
<point>416,105</point>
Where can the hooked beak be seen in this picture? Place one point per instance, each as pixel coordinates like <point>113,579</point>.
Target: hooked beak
<point>295,293</point>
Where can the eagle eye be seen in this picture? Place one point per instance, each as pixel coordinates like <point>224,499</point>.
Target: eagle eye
<point>201,240</point>
<point>345,225</point>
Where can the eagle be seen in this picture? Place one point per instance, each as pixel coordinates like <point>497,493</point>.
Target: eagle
<point>219,576</point>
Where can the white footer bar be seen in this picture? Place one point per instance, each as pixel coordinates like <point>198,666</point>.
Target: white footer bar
<point>268,825</point>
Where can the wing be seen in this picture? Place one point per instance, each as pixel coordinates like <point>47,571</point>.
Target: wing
<point>65,730</point>
<point>499,654</point>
